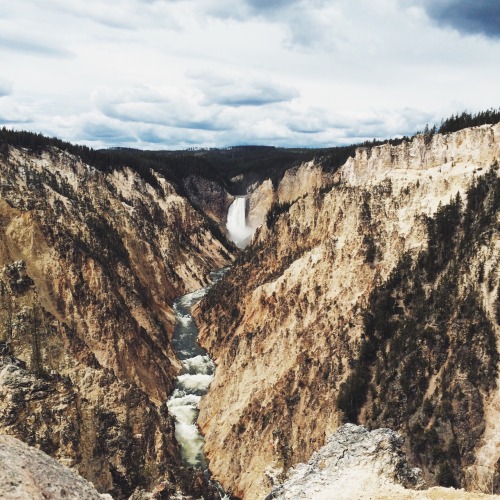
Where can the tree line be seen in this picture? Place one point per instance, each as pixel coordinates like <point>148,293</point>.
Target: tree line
<point>224,164</point>
<point>463,120</point>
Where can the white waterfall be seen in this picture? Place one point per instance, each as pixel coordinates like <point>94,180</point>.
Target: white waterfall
<point>239,232</point>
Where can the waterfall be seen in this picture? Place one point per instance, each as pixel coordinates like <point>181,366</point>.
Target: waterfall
<point>239,232</point>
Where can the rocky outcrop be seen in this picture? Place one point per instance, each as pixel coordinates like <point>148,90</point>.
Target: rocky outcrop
<point>307,177</point>
<point>286,326</point>
<point>28,473</point>
<point>260,200</point>
<point>352,464</point>
<point>298,181</point>
<point>107,430</point>
<point>478,146</point>
<point>208,196</point>
<point>91,262</point>
<point>356,463</point>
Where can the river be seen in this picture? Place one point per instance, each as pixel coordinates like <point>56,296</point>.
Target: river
<point>194,379</point>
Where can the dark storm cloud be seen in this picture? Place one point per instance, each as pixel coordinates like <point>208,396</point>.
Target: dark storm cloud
<point>26,46</point>
<point>467,16</point>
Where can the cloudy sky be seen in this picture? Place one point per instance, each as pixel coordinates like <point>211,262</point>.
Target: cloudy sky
<point>168,74</point>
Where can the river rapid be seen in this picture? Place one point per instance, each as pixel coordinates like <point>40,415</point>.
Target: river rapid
<point>194,379</point>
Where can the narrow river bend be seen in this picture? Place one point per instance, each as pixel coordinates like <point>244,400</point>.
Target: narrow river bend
<point>194,379</point>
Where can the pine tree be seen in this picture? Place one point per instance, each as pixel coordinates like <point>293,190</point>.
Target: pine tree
<point>36,333</point>
<point>8,316</point>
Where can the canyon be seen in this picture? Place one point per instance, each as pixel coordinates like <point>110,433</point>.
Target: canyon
<point>91,263</point>
<point>365,291</point>
<point>287,326</point>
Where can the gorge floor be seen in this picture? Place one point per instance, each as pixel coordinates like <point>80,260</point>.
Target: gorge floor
<point>194,378</point>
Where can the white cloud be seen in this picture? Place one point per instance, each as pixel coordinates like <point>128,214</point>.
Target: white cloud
<point>240,89</point>
<point>160,73</point>
<point>12,113</point>
<point>5,88</point>
<point>168,106</point>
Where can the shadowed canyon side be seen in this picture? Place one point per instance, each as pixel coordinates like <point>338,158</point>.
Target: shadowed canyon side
<point>372,297</point>
<point>90,263</point>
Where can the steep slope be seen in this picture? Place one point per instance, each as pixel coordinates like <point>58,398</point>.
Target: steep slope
<point>91,264</point>
<point>28,473</point>
<point>428,356</point>
<point>286,326</point>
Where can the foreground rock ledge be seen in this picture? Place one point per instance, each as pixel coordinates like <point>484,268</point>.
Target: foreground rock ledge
<point>356,463</point>
<point>26,472</point>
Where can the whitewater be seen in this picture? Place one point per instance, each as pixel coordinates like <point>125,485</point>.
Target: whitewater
<point>194,379</point>
<point>239,232</point>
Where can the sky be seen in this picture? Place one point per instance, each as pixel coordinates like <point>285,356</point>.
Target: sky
<point>177,74</point>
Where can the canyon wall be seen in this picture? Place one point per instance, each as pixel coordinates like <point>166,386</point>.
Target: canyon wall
<point>289,328</point>
<point>369,295</point>
<point>294,183</point>
<point>211,197</point>
<point>91,262</point>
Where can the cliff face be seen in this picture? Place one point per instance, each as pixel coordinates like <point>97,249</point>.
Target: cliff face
<point>476,146</point>
<point>296,181</point>
<point>91,263</point>
<point>107,430</point>
<point>208,196</point>
<point>287,327</point>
